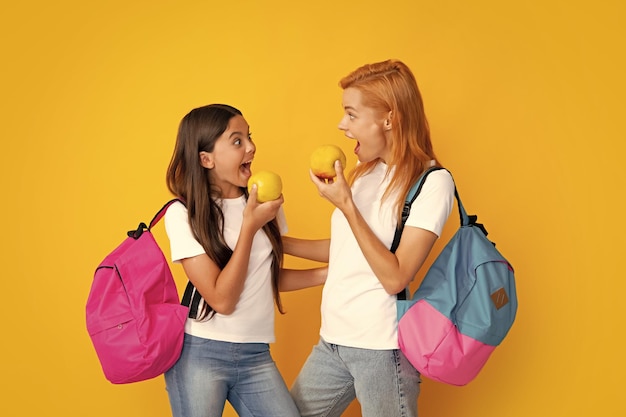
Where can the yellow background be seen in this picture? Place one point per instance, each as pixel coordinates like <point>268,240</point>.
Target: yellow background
<point>526,104</point>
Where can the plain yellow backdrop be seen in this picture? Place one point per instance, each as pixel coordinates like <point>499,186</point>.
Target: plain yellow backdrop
<point>526,105</point>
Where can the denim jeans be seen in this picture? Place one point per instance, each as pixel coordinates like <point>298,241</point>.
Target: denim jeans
<point>383,381</point>
<point>211,372</point>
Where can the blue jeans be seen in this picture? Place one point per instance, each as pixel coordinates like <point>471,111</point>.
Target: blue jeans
<point>383,381</point>
<point>211,372</point>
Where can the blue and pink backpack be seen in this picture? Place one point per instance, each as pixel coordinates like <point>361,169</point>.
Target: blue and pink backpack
<point>464,306</point>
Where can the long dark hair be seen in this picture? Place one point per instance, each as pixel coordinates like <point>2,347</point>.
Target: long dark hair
<point>188,180</point>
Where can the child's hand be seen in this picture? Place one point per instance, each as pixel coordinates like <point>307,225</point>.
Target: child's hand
<point>258,214</point>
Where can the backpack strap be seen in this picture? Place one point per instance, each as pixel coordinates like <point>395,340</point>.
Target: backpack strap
<point>464,218</point>
<point>408,201</point>
<point>161,212</point>
<point>136,234</point>
<point>191,297</point>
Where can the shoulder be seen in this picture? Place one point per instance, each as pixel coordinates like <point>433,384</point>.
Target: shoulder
<point>176,213</point>
<point>438,185</point>
<point>440,180</point>
<point>176,209</point>
<point>433,205</point>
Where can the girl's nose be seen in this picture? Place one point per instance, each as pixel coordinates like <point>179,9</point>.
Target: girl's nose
<point>251,148</point>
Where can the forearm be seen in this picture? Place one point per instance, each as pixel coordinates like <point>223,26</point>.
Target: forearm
<point>229,283</point>
<point>313,249</point>
<point>297,279</point>
<point>232,278</point>
<point>383,262</point>
<point>222,287</point>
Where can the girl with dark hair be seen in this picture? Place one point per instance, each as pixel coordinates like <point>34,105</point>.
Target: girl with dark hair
<point>357,355</point>
<point>230,248</point>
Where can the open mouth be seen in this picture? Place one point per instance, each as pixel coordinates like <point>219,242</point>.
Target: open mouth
<point>245,168</point>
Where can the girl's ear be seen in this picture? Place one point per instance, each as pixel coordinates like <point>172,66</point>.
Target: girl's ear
<point>206,160</point>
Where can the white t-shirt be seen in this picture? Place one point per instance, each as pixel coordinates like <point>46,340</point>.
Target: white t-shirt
<point>253,318</point>
<point>356,309</point>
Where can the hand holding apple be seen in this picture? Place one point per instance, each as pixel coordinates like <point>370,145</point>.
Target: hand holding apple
<point>335,190</point>
<point>269,185</point>
<point>323,161</point>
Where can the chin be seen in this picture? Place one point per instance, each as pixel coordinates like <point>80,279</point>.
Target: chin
<point>243,181</point>
<point>363,159</point>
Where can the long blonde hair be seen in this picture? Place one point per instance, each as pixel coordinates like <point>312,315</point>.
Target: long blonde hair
<point>390,86</point>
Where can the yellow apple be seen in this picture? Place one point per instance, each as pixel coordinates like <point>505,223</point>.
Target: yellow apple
<point>323,161</point>
<point>269,185</point>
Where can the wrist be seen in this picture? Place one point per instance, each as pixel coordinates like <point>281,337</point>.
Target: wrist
<point>349,209</point>
<point>247,229</point>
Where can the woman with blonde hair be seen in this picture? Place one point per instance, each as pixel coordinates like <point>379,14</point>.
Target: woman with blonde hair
<point>357,355</point>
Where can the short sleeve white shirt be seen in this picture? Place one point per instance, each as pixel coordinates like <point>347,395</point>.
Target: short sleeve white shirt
<point>356,309</point>
<point>253,318</point>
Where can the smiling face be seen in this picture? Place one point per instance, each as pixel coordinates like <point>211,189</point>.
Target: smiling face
<point>229,162</point>
<point>365,125</point>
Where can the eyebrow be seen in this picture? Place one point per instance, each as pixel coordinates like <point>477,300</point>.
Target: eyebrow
<point>237,133</point>
<point>349,108</point>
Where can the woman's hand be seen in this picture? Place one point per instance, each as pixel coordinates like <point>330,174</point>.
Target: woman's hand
<point>336,190</point>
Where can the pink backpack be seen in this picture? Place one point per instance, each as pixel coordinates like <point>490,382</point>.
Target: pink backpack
<point>134,316</point>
